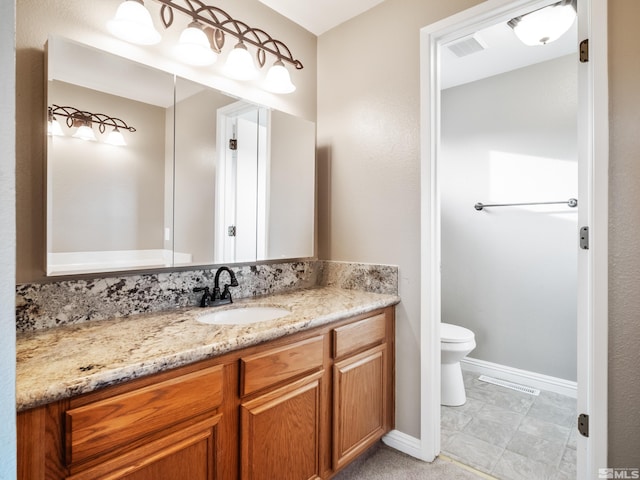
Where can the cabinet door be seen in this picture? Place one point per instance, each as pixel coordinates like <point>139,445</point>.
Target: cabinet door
<point>281,433</point>
<point>360,403</point>
<point>188,454</point>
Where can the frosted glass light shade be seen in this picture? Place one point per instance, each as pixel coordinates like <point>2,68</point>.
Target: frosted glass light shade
<point>133,24</point>
<point>239,64</point>
<point>278,79</point>
<point>54,128</point>
<point>194,48</point>
<point>115,138</point>
<point>85,132</point>
<point>545,25</point>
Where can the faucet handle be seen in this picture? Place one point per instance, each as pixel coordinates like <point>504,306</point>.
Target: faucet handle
<point>226,294</point>
<point>204,302</point>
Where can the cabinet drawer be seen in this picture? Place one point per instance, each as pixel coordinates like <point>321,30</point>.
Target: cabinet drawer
<point>359,335</point>
<point>265,369</point>
<point>107,424</point>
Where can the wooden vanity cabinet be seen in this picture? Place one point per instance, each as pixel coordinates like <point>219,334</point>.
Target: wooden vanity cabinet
<point>162,427</point>
<point>281,425</point>
<point>362,382</point>
<point>300,407</point>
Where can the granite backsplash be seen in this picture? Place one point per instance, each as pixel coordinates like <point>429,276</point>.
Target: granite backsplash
<point>46,305</point>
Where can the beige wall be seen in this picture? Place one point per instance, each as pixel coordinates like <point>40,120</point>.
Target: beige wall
<point>369,197</point>
<point>7,244</point>
<point>624,234</point>
<point>85,22</point>
<point>369,161</point>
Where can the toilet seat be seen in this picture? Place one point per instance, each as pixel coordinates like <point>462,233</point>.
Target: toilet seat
<point>455,334</point>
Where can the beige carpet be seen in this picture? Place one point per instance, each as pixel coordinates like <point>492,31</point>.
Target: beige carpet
<point>384,463</point>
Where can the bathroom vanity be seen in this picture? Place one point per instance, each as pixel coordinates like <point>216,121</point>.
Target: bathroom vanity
<point>164,396</point>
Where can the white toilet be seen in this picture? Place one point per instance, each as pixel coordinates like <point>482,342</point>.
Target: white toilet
<point>455,343</point>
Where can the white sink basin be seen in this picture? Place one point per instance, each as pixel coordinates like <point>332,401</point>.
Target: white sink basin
<point>243,315</point>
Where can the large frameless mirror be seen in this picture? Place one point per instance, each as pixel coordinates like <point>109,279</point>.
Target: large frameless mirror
<point>169,172</point>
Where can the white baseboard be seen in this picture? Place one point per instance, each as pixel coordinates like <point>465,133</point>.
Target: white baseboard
<point>524,377</point>
<point>404,443</point>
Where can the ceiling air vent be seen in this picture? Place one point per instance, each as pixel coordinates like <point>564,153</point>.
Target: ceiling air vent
<point>466,46</point>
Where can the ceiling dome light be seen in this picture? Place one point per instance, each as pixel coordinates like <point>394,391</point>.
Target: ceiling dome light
<point>115,138</point>
<point>239,64</point>
<point>133,24</point>
<point>194,48</point>
<point>545,25</point>
<point>278,79</point>
<point>85,132</point>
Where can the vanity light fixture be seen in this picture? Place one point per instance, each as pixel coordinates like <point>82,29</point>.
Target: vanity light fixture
<point>133,23</point>
<point>84,121</point>
<point>546,24</point>
<point>115,138</point>
<point>239,64</point>
<point>194,47</point>
<point>278,79</point>
<point>215,24</point>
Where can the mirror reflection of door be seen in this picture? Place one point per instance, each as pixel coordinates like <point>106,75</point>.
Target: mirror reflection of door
<point>241,223</point>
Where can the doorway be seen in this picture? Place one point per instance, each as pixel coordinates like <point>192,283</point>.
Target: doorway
<point>592,285</point>
<point>507,172</point>
<point>242,183</point>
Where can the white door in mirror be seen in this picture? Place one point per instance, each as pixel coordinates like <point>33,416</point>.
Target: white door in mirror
<point>243,315</point>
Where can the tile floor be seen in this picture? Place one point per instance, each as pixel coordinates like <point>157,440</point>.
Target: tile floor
<point>512,435</point>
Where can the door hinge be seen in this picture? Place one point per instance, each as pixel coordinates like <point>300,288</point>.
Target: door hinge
<point>233,144</point>
<point>231,231</point>
<point>583,424</point>
<point>584,50</point>
<point>584,238</point>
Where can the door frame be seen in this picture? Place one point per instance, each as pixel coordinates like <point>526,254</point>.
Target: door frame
<point>593,148</point>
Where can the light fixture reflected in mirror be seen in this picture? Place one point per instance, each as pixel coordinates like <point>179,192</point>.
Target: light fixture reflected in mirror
<point>84,121</point>
<point>53,127</point>
<point>278,79</point>
<point>133,23</point>
<point>546,24</point>
<point>84,132</point>
<point>115,138</point>
<point>194,48</point>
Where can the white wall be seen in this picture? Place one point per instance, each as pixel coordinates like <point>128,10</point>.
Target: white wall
<point>509,274</point>
<point>7,244</point>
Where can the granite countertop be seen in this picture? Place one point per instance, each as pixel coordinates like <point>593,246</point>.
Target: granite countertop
<point>61,362</point>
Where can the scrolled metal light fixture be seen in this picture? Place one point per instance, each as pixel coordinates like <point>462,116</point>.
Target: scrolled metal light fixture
<point>216,25</point>
<point>84,121</point>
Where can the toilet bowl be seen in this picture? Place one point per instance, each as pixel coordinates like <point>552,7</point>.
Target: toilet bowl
<point>455,344</point>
